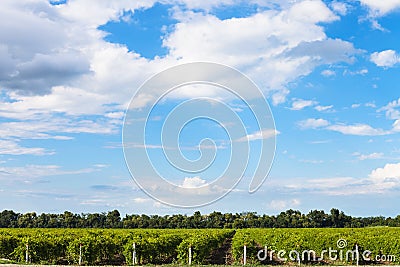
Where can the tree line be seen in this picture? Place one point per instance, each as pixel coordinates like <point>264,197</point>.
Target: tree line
<point>112,219</point>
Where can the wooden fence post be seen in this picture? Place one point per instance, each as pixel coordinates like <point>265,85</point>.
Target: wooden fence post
<point>244,254</point>
<point>190,255</point>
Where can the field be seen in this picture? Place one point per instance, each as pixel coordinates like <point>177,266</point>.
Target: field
<point>203,246</point>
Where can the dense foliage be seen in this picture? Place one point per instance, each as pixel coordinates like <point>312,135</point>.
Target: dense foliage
<point>109,246</point>
<point>112,219</point>
<point>382,242</point>
<point>160,246</point>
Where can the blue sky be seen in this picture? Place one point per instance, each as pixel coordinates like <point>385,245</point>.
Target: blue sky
<point>328,69</point>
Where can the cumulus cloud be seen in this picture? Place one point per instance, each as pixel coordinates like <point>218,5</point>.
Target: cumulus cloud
<point>284,44</point>
<point>381,8</point>
<point>386,58</point>
<point>8,147</point>
<point>357,129</point>
<point>388,171</point>
<point>312,123</point>
<point>37,171</point>
<point>339,7</point>
<point>391,110</point>
<point>299,104</point>
<point>193,182</point>
<point>378,9</point>
<point>64,39</point>
<point>323,108</point>
<point>387,177</point>
<point>328,73</point>
<point>374,155</point>
<point>35,49</point>
<point>141,200</point>
<point>379,181</point>
<point>259,135</point>
<point>59,76</point>
<point>280,205</point>
<point>396,126</point>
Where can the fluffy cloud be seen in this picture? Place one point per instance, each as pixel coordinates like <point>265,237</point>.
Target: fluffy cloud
<point>193,182</point>
<point>386,59</point>
<point>381,8</point>
<point>388,171</point>
<point>8,147</point>
<point>323,108</point>
<point>379,181</point>
<point>37,171</point>
<point>328,73</point>
<point>57,70</point>
<point>391,110</point>
<point>284,204</point>
<point>339,7</point>
<point>312,123</point>
<point>357,129</point>
<point>387,177</point>
<point>36,49</point>
<point>67,50</point>
<point>259,135</point>
<point>299,104</point>
<point>374,155</point>
<point>272,47</point>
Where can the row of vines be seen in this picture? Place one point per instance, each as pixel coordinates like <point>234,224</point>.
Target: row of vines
<point>373,245</point>
<point>117,246</point>
<point>109,246</point>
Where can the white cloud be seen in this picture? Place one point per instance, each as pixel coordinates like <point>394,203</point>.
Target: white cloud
<point>388,171</point>
<point>141,200</point>
<point>391,110</point>
<point>193,182</point>
<point>206,4</point>
<point>259,135</point>
<point>280,205</point>
<point>101,12</point>
<point>374,155</point>
<point>323,108</point>
<point>357,72</point>
<point>381,8</point>
<point>357,129</point>
<point>38,171</point>
<point>312,123</point>
<point>379,181</point>
<point>328,73</point>
<point>284,44</point>
<point>40,130</point>
<point>386,59</point>
<point>265,59</point>
<point>386,178</point>
<point>311,161</point>
<point>339,7</point>
<point>115,115</point>
<point>370,105</point>
<point>8,147</point>
<point>299,104</point>
<point>396,126</point>
<point>67,79</point>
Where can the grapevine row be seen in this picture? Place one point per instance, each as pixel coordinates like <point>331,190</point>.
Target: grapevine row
<point>118,246</point>
<point>379,241</point>
<point>111,246</point>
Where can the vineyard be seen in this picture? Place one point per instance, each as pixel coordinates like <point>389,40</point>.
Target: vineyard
<point>381,245</point>
<point>199,246</point>
<point>109,246</point>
